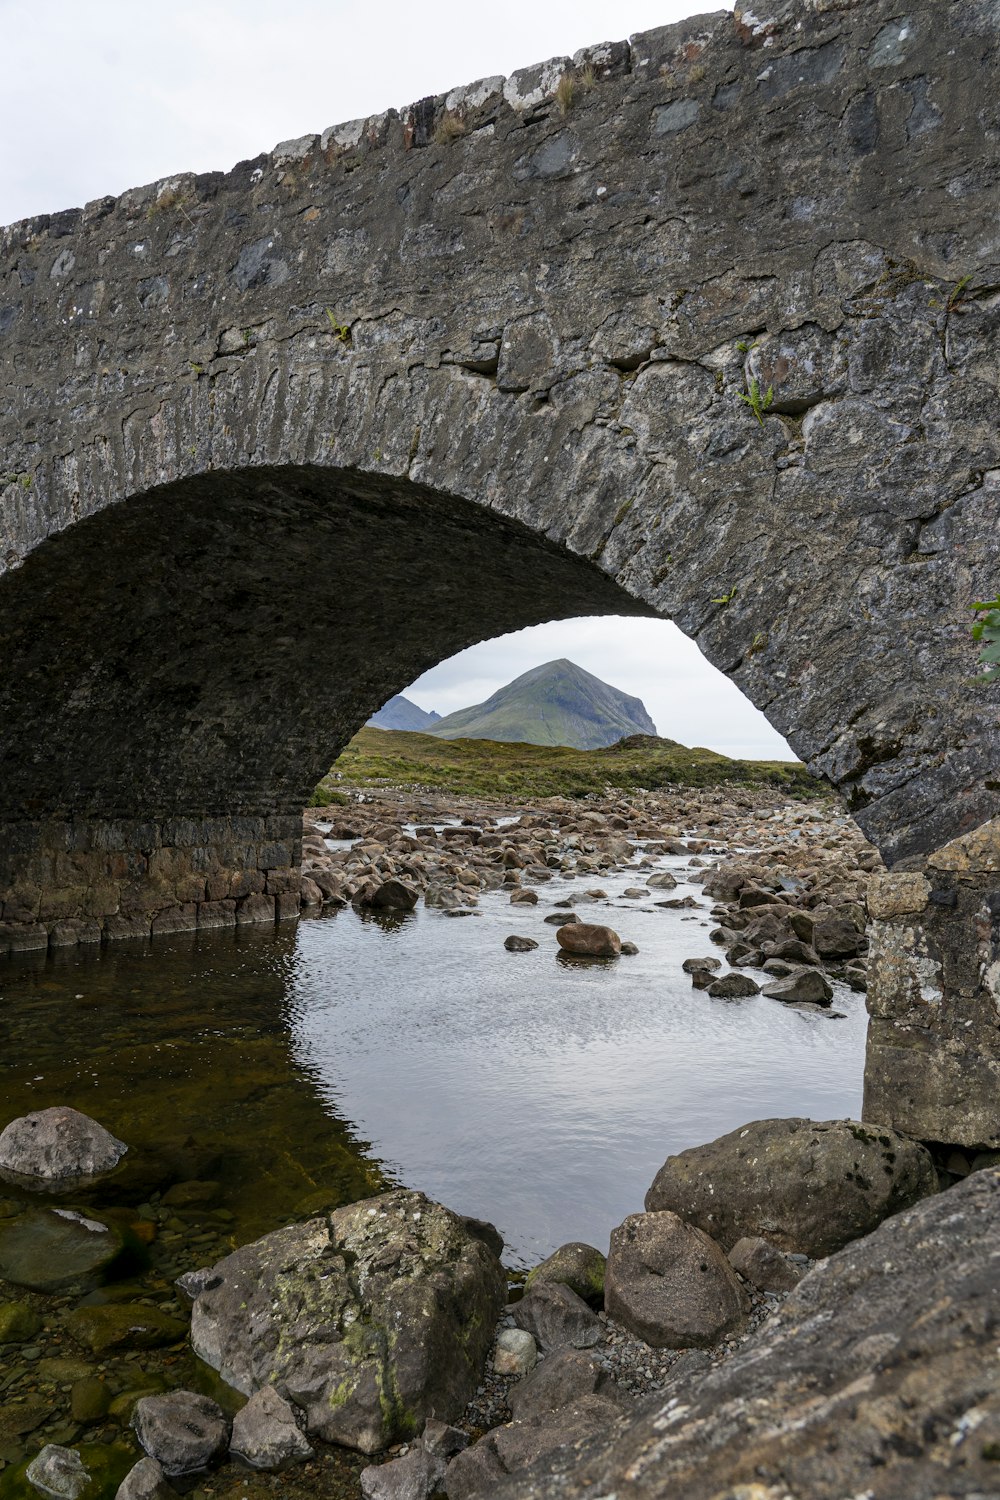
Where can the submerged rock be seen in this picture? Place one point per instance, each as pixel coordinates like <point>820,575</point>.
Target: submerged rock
<point>671,1285</point>
<point>124,1325</point>
<point>57,1250</point>
<point>58,1473</point>
<point>369,1319</point>
<point>807,1186</point>
<point>53,1145</point>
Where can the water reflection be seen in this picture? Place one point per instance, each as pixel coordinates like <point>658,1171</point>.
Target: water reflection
<point>539,1093</point>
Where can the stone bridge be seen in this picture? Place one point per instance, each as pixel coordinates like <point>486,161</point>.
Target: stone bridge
<point>701,325</point>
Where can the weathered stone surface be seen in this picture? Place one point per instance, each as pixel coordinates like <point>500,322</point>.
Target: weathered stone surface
<point>579,1266</point>
<point>561,1378</point>
<point>904,893</point>
<point>556,1317</point>
<point>146,1481</point>
<point>266,1434</point>
<point>59,1473</point>
<point>671,1285</point>
<point>766,1267</point>
<point>730,986</point>
<point>589,940</point>
<point>58,1143</point>
<point>805,987</point>
<point>869,1381</point>
<point>415,1476</point>
<point>480,1470</point>
<point>183,1431</point>
<point>516,1352</point>
<point>18,1322</point>
<point>369,1320</point>
<point>807,1186</point>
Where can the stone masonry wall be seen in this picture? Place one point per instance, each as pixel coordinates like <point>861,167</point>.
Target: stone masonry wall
<point>64,883</point>
<point>933,1061</point>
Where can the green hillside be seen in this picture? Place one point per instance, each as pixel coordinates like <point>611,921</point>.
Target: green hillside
<point>557,703</point>
<point>487,768</point>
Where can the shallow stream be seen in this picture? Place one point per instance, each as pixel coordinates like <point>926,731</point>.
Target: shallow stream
<point>303,1066</point>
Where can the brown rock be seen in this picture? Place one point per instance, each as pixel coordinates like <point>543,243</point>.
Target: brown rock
<point>589,940</point>
<point>671,1285</point>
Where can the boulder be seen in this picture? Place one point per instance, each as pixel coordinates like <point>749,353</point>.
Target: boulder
<point>759,1262</point>
<point>662,881</point>
<point>369,1319</point>
<point>803,987</point>
<point>266,1434</point>
<point>807,1186</point>
<point>479,1473</point>
<point>556,1317</point>
<point>58,1144</point>
<point>415,1476</point>
<point>18,1322</point>
<point>58,1473</point>
<point>577,1266</point>
<point>521,897</point>
<point>671,1285</point>
<point>732,987</point>
<point>183,1431</point>
<point>516,1352</point>
<point>57,1250</point>
<point>589,940</point>
<point>558,1381</point>
<point>515,944</point>
<point>701,965</point>
<point>146,1481</point>
<point>393,895</point>
<point>877,1378</point>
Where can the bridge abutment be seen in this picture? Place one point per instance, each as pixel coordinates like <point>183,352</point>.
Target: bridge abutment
<point>933,1060</point>
<point>67,882</point>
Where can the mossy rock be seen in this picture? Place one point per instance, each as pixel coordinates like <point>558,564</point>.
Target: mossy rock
<point>18,1322</point>
<point>578,1266</point>
<point>124,1325</point>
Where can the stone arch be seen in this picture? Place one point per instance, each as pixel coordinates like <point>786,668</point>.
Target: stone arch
<point>707,318</point>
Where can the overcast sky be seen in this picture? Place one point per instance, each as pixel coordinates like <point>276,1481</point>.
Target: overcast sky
<point>102,95</point>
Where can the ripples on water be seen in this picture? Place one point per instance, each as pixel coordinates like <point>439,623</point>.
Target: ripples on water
<point>538,1093</point>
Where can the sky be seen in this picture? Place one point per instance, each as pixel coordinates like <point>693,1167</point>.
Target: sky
<point>109,94</point>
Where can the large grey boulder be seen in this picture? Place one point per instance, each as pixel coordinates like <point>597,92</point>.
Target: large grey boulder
<point>878,1377</point>
<point>807,1186</point>
<point>183,1431</point>
<point>671,1285</point>
<point>266,1434</point>
<point>369,1319</point>
<point>56,1145</point>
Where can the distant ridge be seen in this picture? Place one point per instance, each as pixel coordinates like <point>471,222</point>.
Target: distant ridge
<point>400,713</point>
<point>555,704</point>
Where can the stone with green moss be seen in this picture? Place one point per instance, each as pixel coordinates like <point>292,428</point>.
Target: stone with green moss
<point>370,1318</point>
<point>577,1266</point>
<point>18,1322</point>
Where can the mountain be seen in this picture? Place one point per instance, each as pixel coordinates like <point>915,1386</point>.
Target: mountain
<point>555,704</point>
<point>400,713</point>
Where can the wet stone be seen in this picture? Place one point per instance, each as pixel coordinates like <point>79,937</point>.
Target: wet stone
<point>57,1250</point>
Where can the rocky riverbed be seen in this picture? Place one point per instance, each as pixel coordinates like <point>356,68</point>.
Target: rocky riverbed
<point>99,1272</point>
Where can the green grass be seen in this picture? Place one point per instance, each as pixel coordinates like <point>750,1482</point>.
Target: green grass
<point>491,768</point>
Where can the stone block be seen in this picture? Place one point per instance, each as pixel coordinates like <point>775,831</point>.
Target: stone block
<point>282,882</point>
<point>217,914</point>
<point>65,934</point>
<point>246,883</point>
<point>21,903</point>
<point>286,906</point>
<point>103,899</point>
<point>255,908</point>
<point>175,919</point>
<point>127,925</point>
<point>904,893</point>
<point>62,903</point>
<point>975,853</point>
<point>28,938</point>
<point>276,855</point>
